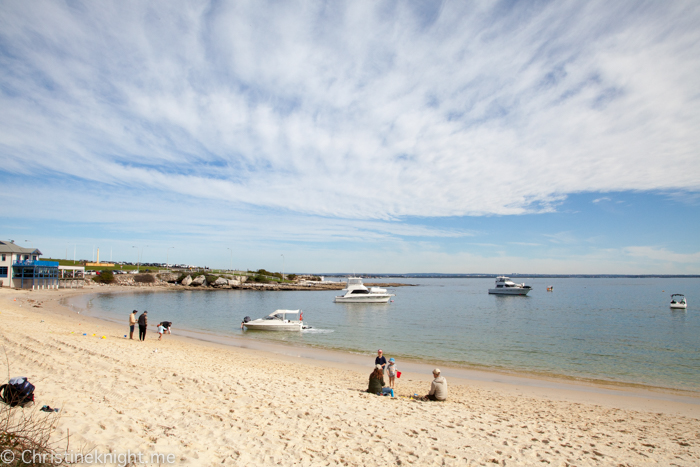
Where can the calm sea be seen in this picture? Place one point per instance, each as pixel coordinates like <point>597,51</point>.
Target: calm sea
<point>619,330</point>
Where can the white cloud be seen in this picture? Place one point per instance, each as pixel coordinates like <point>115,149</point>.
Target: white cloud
<point>355,110</point>
<point>663,255</point>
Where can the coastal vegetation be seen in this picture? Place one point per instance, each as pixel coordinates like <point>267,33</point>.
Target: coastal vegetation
<point>104,277</point>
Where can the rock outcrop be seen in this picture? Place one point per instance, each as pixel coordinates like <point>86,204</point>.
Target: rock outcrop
<point>219,282</point>
<point>199,280</point>
<point>186,281</point>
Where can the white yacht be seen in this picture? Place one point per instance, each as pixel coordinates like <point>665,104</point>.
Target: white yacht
<point>356,292</point>
<point>678,303</point>
<point>276,321</point>
<point>505,286</point>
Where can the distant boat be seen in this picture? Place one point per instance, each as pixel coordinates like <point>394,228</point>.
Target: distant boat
<point>504,286</point>
<point>550,288</point>
<point>356,292</point>
<point>680,303</point>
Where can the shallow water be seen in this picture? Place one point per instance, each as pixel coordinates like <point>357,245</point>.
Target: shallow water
<point>618,330</point>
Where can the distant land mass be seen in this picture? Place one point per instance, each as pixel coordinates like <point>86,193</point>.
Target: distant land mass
<point>437,275</point>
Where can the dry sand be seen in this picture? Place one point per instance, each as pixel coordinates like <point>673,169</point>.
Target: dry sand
<point>209,404</point>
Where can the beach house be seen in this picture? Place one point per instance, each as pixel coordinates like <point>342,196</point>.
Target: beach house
<point>21,268</point>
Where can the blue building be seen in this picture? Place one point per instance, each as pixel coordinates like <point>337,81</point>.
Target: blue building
<point>21,268</point>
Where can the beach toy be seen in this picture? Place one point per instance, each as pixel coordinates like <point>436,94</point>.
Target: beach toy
<point>104,337</point>
<point>84,334</point>
<point>94,335</point>
<point>398,374</point>
<point>124,335</point>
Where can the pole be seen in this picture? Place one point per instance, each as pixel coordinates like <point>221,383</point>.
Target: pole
<point>282,268</point>
<point>138,258</point>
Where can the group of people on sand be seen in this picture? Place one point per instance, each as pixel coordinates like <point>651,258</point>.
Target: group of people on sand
<point>142,320</point>
<point>438,387</point>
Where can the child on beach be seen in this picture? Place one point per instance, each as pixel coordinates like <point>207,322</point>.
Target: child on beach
<point>161,329</point>
<point>391,370</point>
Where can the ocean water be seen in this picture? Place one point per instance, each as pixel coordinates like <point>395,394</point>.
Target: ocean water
<point>616,330</point>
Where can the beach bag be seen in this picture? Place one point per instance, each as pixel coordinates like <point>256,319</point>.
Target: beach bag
<point>18,391</point>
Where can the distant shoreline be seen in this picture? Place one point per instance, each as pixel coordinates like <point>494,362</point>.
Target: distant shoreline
<point>535,276</point>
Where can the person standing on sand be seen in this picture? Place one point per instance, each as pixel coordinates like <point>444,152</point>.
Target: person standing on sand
<point>132,324</point>
<point>143,323</point>
<point>391,371</point>
<point>438,388</point>
<point>380,360</point>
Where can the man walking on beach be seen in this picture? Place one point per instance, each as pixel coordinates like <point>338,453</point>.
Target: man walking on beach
<point>132,324</point>
<point>438,388</point>
<point>143,323</point>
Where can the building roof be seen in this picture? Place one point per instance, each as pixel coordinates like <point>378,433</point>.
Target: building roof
<point>7,246</point>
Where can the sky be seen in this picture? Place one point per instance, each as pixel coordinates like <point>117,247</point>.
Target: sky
<point>490,136</point>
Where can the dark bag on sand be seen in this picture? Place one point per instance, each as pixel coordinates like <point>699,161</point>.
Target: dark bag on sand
<point>18,391</point>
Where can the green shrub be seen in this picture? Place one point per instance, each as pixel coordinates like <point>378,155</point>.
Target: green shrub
<point>104,277</point>
<point>144,278</point>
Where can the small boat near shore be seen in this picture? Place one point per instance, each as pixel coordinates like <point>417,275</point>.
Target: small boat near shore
<point>276,321</point>
<point>356,292</point>
<point>504,286</point>
<point>678,303</point>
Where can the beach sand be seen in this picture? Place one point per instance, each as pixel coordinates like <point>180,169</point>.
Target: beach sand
<point>210,404</point>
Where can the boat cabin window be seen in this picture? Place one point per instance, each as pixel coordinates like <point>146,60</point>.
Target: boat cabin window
<point>360,291</point>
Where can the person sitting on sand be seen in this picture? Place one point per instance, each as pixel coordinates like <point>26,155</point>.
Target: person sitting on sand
<point>438,388</point>
<point>376,382</point>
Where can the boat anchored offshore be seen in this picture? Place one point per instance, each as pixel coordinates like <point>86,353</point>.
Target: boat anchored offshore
<point>505,286</point>
<point>276,321</point>
<point>356,292</point>
<point>678,303</point>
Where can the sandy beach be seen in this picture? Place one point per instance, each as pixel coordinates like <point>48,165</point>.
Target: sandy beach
<point>209,404</point>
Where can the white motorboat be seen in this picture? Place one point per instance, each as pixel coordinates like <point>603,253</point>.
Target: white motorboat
<point>505,286</point>
<point>678,303</point>
<point>356,292</point>
<point>276,321</point>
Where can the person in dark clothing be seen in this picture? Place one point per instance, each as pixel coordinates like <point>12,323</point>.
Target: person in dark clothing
<point>376,382</point>
<point>166,325</point>
<point>380,360</point>
<point>143,324</point>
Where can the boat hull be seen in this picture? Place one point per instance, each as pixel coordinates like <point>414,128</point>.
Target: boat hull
<point>365,299</point>
<point>679,306</point>
<point>251,326</point>
<point>510,291</point>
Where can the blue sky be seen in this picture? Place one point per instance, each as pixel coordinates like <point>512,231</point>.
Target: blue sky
<point>456,137</point>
